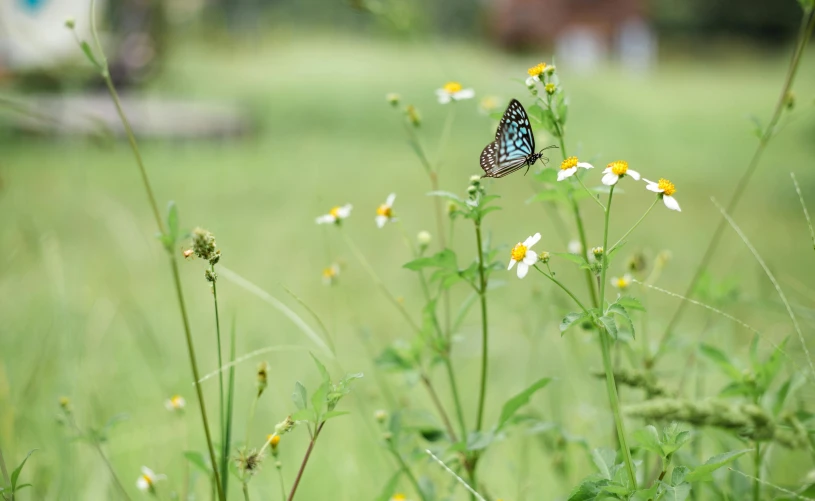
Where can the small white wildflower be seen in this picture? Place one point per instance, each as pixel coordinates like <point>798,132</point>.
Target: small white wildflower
<point>384,213</point>
<point>616,170</point>
<point>453,91</point>
<point>523,254</point>
<point>175,403</point>
<point>621,283</point>
<point>575,247</point>
<point>331,273</point>
<point>335,215</point>
<point>569,167</point>
<point>665,189</point>
<point>147,480</point>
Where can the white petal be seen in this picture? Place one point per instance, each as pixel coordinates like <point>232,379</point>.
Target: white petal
<point>615,281</point>
<point>443,95</point>
<point>464,94</point>
<point>529,242</point>
<point>168,404</point>
<point>148,472</point>
<point>381,220</point>
<point>325,219</point>
<point>671,203</point>
<point>142,484</point>
<point>565,173</point>
<point>391,198</point>
<point>523,269</point>
<point>344,211</point>
<point>651,186</point>
<point>585,165</point>
<point>531,81</point>
<point>610,179</point>
<point>606,170</point>
<point>633,173</point>
<point>530,258</point>
<point>511,264</point>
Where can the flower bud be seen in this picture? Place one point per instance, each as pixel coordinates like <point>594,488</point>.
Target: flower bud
<point>284,426</point>
<point>65,404</point>
<point>262,377</point>
<point>70,22</point>
<point>381,416</point>
<point>424,238</point>
<point>413,115</point>
<point>475,179</point>
<point>597,252</point>
<point>393,99</point>
<point>550,88</point>
<point>204,246</point>
<point>543,257</point>
<point>472,190</point>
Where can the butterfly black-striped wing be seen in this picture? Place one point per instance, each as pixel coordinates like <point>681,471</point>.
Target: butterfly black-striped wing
<point>514,144</point>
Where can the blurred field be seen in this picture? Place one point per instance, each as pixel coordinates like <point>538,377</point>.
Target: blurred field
<point>88,309</point>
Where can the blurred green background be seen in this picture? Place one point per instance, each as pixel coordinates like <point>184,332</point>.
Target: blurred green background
<point>87,305</point>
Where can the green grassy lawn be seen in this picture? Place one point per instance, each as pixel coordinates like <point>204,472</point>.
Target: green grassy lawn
<point>89,311</point>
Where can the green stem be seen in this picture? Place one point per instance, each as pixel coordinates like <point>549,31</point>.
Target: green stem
<point>110,468</point>
<point>581,232</point>
<point>482,293</point>
<point>173,264</point>
<point>195,377</point>
<point>608,251</point>
<point>442,413</point>
<point>250,419</point>
<point>406,469</point>
<point>807,26</point>
<point>364,262</point>
<point>591,195</point>
<point>3,469</point>
<point>611,385</point>
<point>445,135</point>
<point>451,376</point>
<point>224,452</point>
<point>757,465</point>
<point>282,482</point>
<point>245,491</point>
<point>565,289</point>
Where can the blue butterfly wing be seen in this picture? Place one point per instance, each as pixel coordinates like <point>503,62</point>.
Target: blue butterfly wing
<point>514,141</point>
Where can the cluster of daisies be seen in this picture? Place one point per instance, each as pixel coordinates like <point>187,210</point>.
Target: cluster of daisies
<point>617,170</point>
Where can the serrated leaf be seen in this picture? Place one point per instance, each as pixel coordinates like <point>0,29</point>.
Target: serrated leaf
<point>675,492</point>
<point>679,474</point>
<point>513,404</point>
<point>16,473</point>
<point>630,303</point>
<point>610,326</point>
<point>704,473</point>
<point>445,259</point>
<point>604,460</point>
<point>571,319</point>
<point>300,396</point>
<point>648,438</point>
<point>721,360</point>
<point>588,489</point>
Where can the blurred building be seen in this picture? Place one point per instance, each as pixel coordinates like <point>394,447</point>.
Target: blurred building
<point>584,32</point>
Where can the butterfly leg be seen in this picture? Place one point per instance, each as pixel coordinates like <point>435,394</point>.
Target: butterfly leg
<point>528,165</point>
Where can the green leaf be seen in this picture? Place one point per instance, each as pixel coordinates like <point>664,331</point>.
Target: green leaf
<point>609,325</point>
<point>679,474</point>
<point>721,360</point>
<point>571,319</point>
<point>304,415</point>
<point>86,48</point>
<point>447,195</point>
<point>21,487</point>
<point>300,396</point>
<point>575,258</point>
<point>16,473</point>
<point>648,438</point>
<point>445,259</point>
<point>604,460</point>
<point>332,414</point>
<point>766,372</point>
<point>703,473</point>
<point>630,303</point>
<point>589,489</point>
<point>513,404</point>
<point>562,108</point>
<point>323,371</point>
<point>392,360</point>
<point>198,460</point>
<point>318,400</point>
<point>675,492</point>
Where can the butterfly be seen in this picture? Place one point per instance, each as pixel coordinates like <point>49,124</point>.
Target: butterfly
<point>514,145</point>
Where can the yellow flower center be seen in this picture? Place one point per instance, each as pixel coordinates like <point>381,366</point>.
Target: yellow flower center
<point>148,480</point>
<point>330,272</point>
<point>536,70</point>
<point>667,187</point>
<point>384,210</point>
<point>335,211</point>
<point>519,252</point>
<point>398,497</point>
<point>622,283</point>
<point>568,163</point>
<point>619,167</point>
<point>550,88</point>
<point>489,103</point>
<point>273,440</point>
<point>452,87</point>
<point>175,401</point>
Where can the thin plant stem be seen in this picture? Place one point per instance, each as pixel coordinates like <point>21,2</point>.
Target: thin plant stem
<point>3,469</point>
<point>565,289</point>
<point>112,471</point>
<point>458,479</point>
<point>173,263</point>
<point>482,293</point>
<point>611,385</point>
<point>305,461</point>
<point>224,452</point>
<point>451,376</point>
<point>229,408</point>
<point>250,419</point>
<point>444,417</point>
<point>364,262</point>
<point>807,25</point>
<point>405,468</point>
<point>245,491</point>
<point>282,482</point>
<point>622,238</point>
<point>445,135</point>
<point>591,195</point>
<point>804,207</point>
<point>757,466</point>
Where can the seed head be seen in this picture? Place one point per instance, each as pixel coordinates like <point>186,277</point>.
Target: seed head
<point>284,426</point>
<point>204,246</point>
<point>262,377</point>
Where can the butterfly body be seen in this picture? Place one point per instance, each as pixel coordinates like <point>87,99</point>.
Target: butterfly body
<point>514,145</point>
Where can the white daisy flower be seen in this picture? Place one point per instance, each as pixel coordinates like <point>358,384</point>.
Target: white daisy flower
<point>621,283</point>
<point>384,213</point>
<point>335,215</point>
<point>666,189</point>
<point>615,170</point>
<point>398,497</point>
<point>331,273</point>
<point>575,247</point>
<point>569,167</point>
<point>175,403</point>
<point>147,479</point>
<point>453,91</point>
<point>524,255</point>
<point>531,81</point>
